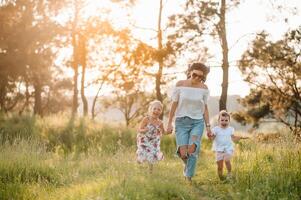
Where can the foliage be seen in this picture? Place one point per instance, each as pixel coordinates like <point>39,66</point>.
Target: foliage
<point>256,109</point>
<point>27,37</point>
<point>203,20</point>
<point>274,70</point>
<point>188,29</point>
<point>126,76</point>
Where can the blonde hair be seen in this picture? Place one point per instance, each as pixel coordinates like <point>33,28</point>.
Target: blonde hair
<point>223,113</point>
<point>154,103</point>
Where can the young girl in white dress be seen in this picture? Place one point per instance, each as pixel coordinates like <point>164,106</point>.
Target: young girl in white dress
<point>223,135</point>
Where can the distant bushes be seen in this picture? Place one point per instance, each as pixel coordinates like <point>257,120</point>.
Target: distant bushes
<point>17,127</point>
<point>61,134</point>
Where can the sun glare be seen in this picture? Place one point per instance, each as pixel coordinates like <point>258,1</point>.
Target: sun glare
<point>106,10</point>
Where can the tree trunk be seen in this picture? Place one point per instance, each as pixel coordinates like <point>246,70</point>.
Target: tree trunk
<point>75,68</point>
<point>160,59</point>
<point>27,97</point>
<point>37,97</point>
<point>75,61</point>
<point>127,122</point>
<point>94,101</point>
<point>296,127</point>
<point>225,65</point>
<point>3,85</point>
<point>82,50</point>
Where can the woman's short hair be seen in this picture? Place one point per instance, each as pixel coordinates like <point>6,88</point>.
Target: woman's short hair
<point>198,66</point>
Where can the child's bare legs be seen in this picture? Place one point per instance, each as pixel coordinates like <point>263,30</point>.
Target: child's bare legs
<point>220,166</point>
<point>228,166</point>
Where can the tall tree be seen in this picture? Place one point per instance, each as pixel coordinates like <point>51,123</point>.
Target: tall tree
<point>160,58</point>
<point>90,35</point>
<point>10,70</point>
<point>82,46</point>
<point>201,19</point>
<point>84,27</point>
<point>274,71</point>
<point>127,77</point>
<point>164,54</point>
<point>75,60</point>
<point>222,33</point>
<point>26,47</point>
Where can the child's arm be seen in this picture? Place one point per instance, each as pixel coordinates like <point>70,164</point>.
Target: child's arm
<point>142,127</point>
<point>213,134</point>
<point>161,127</point>
<point>236,138</point>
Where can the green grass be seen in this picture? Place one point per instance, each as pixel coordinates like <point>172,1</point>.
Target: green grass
<point>81,159</point>
<point>260,171</point>
<point>115,176</point>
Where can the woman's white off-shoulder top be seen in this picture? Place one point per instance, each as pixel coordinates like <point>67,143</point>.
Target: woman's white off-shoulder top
<point>191,101</point>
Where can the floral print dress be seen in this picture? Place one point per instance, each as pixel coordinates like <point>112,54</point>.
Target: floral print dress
<point>148,145</point>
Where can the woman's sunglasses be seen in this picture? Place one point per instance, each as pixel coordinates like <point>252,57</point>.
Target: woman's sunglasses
<point>195,75</point>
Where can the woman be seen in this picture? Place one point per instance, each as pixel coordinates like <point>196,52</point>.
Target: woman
<point>189,106</point>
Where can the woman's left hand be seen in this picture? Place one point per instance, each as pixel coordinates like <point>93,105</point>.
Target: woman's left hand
<point>209,133</point>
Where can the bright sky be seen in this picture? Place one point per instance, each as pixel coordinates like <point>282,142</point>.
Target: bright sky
<point>250,17</point>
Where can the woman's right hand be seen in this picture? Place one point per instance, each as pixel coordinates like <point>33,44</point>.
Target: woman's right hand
<point>169,128</point>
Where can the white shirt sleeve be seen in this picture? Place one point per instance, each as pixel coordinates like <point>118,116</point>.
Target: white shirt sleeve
<point>175,94</point>
<point>205,98</point>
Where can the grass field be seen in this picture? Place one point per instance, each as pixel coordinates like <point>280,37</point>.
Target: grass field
<point>53,158</point>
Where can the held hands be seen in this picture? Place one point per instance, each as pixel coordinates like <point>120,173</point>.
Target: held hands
<point>210,135</point>
<point>169,129</point>
<point>159,131</point>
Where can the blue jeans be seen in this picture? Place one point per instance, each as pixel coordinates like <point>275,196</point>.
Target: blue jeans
<point>189,131</point>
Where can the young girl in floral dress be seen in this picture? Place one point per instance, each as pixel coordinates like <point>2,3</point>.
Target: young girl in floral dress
<point>149,134</point>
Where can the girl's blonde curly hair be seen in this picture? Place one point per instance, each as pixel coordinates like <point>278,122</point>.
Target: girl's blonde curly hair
<point>154,103</point>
